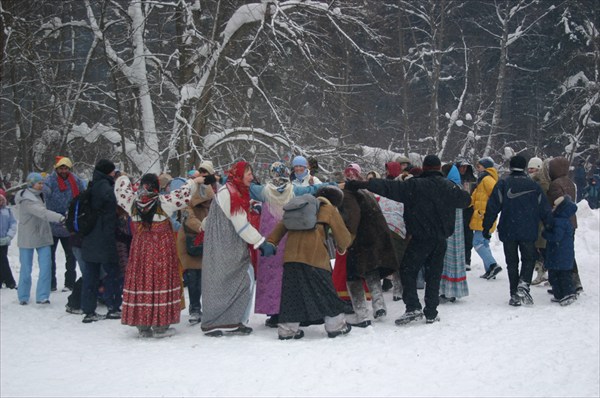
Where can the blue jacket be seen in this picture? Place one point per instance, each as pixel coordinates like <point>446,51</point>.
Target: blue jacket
<point>58,201</point>
<point>523,205</point>
<point>8,223</point>
<point>560,250</point>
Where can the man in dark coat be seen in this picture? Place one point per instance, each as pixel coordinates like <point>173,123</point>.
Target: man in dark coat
<point>430,203</point>
<point>523,205</point>
<point>99,247</point>
<point>580,179</point>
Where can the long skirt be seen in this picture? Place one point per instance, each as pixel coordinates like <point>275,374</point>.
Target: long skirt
<point>339,278</point>
<point>152,291</point>
<point>308,295</point>
<point>454,275</point>
<point>227,273</point>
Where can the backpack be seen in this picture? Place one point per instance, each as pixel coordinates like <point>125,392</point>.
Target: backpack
<point>81,218</point>
<point>300,213</point>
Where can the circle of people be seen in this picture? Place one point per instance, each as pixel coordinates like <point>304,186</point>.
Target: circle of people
<point>226,240</point>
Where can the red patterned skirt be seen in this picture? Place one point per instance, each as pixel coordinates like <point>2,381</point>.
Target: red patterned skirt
<point>152,291</point>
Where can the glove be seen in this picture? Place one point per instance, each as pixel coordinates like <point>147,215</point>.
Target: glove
<point>267,249</point>
<point>5,241</point>
<point>486,234</point>
<point>354,185</point>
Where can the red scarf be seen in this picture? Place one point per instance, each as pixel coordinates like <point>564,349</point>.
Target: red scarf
<point>62,185</point>
<point>238,191</point>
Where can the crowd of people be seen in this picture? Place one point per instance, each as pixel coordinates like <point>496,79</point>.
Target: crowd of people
<point>226,240</point>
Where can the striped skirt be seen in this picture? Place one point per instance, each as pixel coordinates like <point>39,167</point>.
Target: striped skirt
<point>454,276</point>
<point>152,291</point>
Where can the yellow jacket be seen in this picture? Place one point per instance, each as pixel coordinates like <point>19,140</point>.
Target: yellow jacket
<point>479,199</point>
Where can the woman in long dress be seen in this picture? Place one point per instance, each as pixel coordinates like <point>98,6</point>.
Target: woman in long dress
<point>152,290</point>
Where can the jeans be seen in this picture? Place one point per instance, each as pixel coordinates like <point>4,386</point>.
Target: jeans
<point>6,275</point>
<point>482,247</point>
<point>91,280</point>
<point>194,285</point>
<point>428,254</point>
<point>528,256</point>
<point>70,272</point>
<point>42,291</point>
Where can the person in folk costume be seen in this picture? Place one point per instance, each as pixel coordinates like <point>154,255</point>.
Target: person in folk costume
<point>274,195</point>
<point>307,293</point>
<point>227,272</point>
<point>152,291</point>
<point>454,276</point>
<point>302,175</point>
<point>191,220</point>
<point>371,255</point>
<point>60,188</point>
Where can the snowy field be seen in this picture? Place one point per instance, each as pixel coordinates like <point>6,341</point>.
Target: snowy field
<point>481,347</point>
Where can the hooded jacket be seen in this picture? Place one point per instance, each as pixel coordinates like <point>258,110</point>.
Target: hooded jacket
<point>480,197</point>
<point>560,250</point>
<point>34,220</point>
<point>561,184</point>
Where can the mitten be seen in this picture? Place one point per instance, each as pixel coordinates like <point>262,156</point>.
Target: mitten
<point>267,249</point>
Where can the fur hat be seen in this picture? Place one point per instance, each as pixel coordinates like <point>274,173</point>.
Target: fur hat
<point>518,163</point>
<point>535,163</point>
<point>402,159</point>
<point>331,193</point>
<point>105,166</point>
<point>486,162</point>
<point>208,166</point>
<point>62,161</point>
<point>162,180</point>
<point>432,162</point>
<point>33,178</point>
<point>300,161</point>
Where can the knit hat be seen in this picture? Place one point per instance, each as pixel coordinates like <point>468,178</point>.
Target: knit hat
<point>162,182</point>
<point>62,161</point>
<point>393,169</point>
<point>432,162</point>
<point>518,163</point>
<point>535,163</point>
<point>300,161</point>
<point>193,173</point>
<point>402,159</point>
<point>105,166</point>
<point>375,174</point>
<point>208,166</point>
<point>486,162</point>
<point>33,178</point>
<point>331,193</point>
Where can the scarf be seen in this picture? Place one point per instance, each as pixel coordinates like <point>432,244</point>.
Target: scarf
<point>277,197</point>
<point>238,191</point>
<point>62,185</point>
<point>146,205</point>
<point>300,177</point>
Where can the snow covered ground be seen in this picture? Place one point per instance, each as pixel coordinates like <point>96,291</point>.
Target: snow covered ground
<point>481,347</point>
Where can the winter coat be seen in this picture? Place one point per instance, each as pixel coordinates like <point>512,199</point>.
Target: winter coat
<point>8,223</point>
<point>100,245</point>
<point>371,237</point>
<point>592,192</point>
<point>561,184</point>
<point>34,220</point>
<point>542,178</point>
<point>523,206</point>
<point>560,249</point>
<point>59,201</point>
<point>310,247</point>
<point>479,198</point>
<point>429,201</point>
<point>192,217</point>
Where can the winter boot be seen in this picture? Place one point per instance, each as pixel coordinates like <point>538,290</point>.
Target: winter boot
<point>345,330</point>
<point>359,303</point>
<point>397,292</point>
<point>568,300</point>
<point>541,273</point>
<point>195,318</point>
<point>515,301</point>
<point>493,271</point>
<point>409,316</point>
<point>523,293</point>
<point>160,332</point>
<point>377,300</point>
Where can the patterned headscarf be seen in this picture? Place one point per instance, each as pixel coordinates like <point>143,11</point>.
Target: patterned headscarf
<point>147,200</point>
<point>280,175</point>
<point>239,192</point>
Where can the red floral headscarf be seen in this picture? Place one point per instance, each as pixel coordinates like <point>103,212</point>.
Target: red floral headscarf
<point>239,192</point>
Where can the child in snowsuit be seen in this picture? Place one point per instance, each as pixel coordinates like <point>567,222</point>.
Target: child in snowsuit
<point>560,251</point>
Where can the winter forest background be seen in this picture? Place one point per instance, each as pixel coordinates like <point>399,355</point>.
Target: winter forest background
<point>162,84</point>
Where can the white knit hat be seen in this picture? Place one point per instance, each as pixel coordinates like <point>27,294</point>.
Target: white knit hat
<point>208,166</point>
<point>535,163</point>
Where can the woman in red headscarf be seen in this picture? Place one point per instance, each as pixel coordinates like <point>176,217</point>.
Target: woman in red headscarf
<point>227,273</point>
